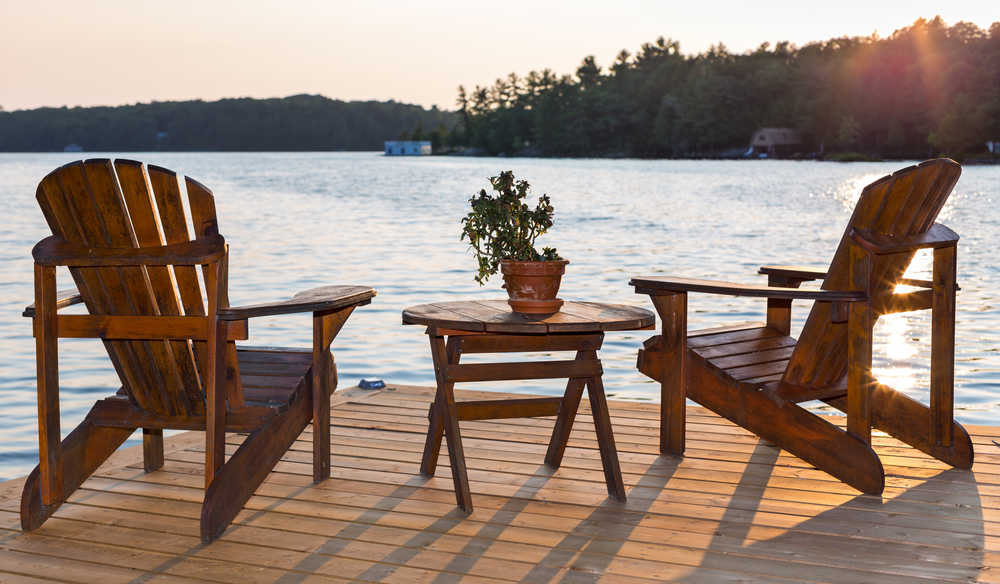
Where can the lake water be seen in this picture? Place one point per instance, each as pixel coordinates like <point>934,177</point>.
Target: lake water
<point>299,220</point>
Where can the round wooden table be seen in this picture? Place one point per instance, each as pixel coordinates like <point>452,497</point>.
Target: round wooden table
<point>489,326</point>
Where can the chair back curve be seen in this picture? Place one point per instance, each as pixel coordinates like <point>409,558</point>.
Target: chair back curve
<point>904,203</point>
<point>103,203</point>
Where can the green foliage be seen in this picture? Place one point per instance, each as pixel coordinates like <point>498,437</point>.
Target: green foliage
<point>299,122</point>
<point>958,132</point>
<point>849,132</point>
<point>501,226</point>
<point>850,157</point>
<point>877,96</point>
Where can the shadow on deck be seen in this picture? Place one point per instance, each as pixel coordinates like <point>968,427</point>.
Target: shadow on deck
<point>734,509</point>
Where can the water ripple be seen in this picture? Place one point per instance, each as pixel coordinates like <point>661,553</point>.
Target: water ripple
<point>298,220</point>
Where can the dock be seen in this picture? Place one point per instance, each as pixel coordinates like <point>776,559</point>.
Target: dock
<point>734,509</point>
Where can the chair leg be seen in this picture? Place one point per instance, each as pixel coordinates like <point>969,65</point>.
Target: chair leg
<point>85,449</point>
<point>672,309</point>
<point>247,468</point>
<point>152,449</point>
<point>860,324</point>
<point>326,327</point>
<point>907,420</point>
<point>786,424</point>
<point>943,348</point>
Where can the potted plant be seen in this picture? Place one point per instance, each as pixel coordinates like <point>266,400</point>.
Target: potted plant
<point>502,229</point>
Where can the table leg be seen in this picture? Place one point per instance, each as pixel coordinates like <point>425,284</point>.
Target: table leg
<point>447,413</point>
<point>567,414</point>
<point>432,445</point>
<point>605,438</point>
<point>435,429</point>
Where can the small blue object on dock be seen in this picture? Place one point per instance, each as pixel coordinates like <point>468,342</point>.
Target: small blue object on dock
<point>371,384</point>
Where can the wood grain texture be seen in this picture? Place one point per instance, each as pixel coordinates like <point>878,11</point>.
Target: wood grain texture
<point>326,327</point>
<point>582,372</point>
<point>664,284</point>
<point>55,251</point>
<point>904,204</point>
<point>447,414</point>
<point>322,299</point>
<point>495,316</point>
<point>507,371</point>
<point>47,371</point>
<point>755,377</point>
<point>122,230</point>
<point>733,510</point>
<point>569,404</point>
<point>800,273</point>
<point>508,408</point>
<point>673,382</point>
<point>800,432</point>
<point>64,298</point>
<point>942,401</point>
<point>860,322</point>
<point>937,236</point>
<point>152,449</point>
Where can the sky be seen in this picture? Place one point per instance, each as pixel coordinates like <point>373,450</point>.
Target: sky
<point>112,52</point>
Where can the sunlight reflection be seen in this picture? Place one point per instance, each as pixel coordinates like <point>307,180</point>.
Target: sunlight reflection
<point>897,341</point>
<point>848,191</point>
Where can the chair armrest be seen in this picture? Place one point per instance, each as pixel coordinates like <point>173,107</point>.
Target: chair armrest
<point>316,300</point>
<point>659,284</point>
<point>804,274</point>
<point>937,236</point>
<point>55,251</point>
<point>64,298</point>
<point>801,273</point>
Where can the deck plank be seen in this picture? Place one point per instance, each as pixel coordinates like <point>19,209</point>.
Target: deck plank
<point>734,509</point>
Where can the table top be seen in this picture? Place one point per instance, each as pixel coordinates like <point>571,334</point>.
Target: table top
<point>495,316</point>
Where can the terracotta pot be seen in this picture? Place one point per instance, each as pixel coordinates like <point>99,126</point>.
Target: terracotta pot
<point>532,286</point>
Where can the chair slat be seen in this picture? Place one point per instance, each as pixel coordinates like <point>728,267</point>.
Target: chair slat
<point>904,203</point>
<point>65,200</point>
<point>205,221</point>
<point>135,296</point>
<point>137,194</point>
<point>166,191</point>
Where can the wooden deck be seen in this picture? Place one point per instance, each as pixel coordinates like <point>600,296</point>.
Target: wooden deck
<point>734,509</point>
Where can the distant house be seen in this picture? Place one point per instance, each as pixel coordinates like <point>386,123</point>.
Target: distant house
<point>407,148</point>
<point>993,146</point>
<point>774,142</point>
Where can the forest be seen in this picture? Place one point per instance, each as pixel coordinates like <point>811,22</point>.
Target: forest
<point>299,122</point>
<point>924,90</point>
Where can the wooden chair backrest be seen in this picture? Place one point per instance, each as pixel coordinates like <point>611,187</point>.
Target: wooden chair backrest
<point>904,203</point>
<point>102,203</point>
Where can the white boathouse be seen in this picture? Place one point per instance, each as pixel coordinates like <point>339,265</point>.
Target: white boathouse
<point>407,148</point>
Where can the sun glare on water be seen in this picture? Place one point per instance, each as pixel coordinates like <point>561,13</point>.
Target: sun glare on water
<point>898,337</point>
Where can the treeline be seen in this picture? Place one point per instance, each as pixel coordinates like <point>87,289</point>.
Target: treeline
<point>299,122</point>
<point>926,89</point>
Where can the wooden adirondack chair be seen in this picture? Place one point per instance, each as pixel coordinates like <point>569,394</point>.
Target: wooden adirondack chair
<point>121,229</point>
<point>757,375</point>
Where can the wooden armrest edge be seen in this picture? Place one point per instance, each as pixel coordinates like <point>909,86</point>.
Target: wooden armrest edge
<point>64,298</point>
<point>937,236</point>
<point>661,284</point>
<point>802,273</point>
<point>314,300</point>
